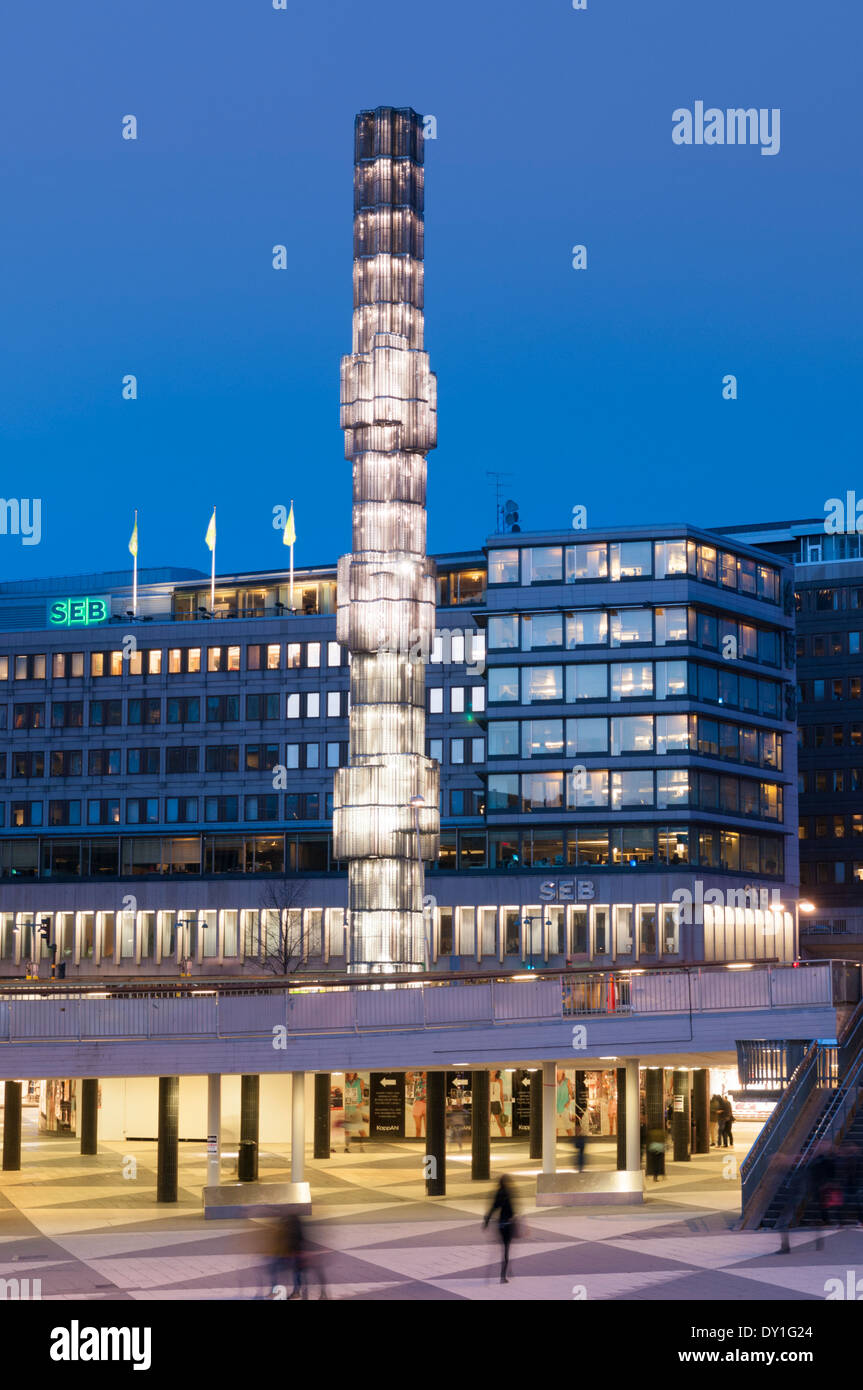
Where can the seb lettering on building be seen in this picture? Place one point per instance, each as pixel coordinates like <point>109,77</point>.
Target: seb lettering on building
<point>77,612</point>
<point>566,890</point>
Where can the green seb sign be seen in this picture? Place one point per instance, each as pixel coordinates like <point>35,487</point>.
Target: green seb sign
<point>77,612</point>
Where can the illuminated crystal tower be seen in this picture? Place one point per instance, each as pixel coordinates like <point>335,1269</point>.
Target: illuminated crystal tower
<point>386,820</point>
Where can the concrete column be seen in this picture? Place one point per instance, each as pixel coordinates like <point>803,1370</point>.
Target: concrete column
<point>680,1117</point>
<point>701,1109</point>
<point>622,1117</point>
<point>633,1117</point>
<point>12,1127</point>
<point>298,1125</point>
<point>169,1132</point>
<point>655,1106</point>
<point>549,1117</point>
<point>480,1126</point>
<point>214,1130</point>
<point>536,1114</point>
<point>322,1139</point>
<point>89,1116</point>
<point>250,1101</point>
<point>436,1134</point>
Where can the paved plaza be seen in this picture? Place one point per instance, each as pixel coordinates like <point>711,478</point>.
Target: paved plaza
<point>89,1228</point>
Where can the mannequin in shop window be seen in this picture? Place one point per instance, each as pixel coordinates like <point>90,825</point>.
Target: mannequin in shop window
<point>565,1103</point>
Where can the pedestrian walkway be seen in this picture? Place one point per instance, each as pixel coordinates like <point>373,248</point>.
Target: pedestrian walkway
<point>89,1228</point>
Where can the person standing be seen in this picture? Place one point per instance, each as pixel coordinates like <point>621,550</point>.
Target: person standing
<point>502,1203</point>
<point>654,1162</point>
<point>290,1253</point>
<point>729,1123</point>
<point>726,1117</point>
<point>715,1112</point>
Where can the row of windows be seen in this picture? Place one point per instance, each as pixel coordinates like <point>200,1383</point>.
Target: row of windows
<point>666,789</point>
<point>153,661</point>
<point>614,846</point>
<point>596,931</point>
<point>831,871</point>
<point>637,680</point>
<point>829,644</point>
<point>621,627</point>
<point>831,827</point>
<point>837,688</point>
<point>635,733</point>
<point>126,856</point>
<point>463,699</point>
<point>183,709</point>
<point>220,757</point>
<point>462,751</point>
<point>830,735</point>
<point>310,596</point>
<point>447,646</point>
<point>829,599</point>
<point>176,936</point>
<point>571,564</point>
<point>177,810</point>
<point>830,780</point>
<point>548,846</point>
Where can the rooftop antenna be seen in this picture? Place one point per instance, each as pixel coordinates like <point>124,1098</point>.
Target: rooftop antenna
<point>498,493</point>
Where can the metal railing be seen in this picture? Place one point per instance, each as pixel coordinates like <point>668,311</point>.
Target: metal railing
<point>231,1008</point>
<point>803,1082</point>
<point>826,1067</point>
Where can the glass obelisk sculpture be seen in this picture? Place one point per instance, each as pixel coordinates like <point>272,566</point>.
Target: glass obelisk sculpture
<point>386,586</point>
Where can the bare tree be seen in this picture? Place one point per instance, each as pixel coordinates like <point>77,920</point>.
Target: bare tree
<point>280,944</point>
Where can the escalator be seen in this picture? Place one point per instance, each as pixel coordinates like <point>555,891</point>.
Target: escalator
<point>819,1110</point>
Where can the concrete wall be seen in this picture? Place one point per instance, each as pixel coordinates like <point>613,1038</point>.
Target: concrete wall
<point>129,1108</point>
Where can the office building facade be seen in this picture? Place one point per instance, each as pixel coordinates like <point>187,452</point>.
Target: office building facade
<point>828,584</point>
<point>608,711</point>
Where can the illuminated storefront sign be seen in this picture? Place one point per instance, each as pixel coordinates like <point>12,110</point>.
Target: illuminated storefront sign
<point>77,612</point>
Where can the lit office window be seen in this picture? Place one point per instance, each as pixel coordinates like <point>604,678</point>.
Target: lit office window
<point>588,561</point>
<point>630,559</point>
<point>541,683</point>
<point>503,567</point>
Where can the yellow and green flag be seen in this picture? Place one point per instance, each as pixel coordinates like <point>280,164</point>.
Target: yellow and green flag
<point>290,536</point>
<point>210,538</point>
<point>133,539</point>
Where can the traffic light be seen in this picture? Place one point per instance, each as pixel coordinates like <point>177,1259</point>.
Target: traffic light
<point>510,515</point>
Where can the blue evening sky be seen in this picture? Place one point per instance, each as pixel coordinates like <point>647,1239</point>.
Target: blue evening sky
<point>600,387</point>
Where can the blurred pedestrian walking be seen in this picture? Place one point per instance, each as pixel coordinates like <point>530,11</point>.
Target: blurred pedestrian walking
<point>507,1226</point>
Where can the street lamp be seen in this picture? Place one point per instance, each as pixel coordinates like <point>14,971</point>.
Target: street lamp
<point>528,922</point>
<point>416,802</point>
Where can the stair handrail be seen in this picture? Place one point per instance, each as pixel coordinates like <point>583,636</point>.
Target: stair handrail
<point>851,1041</point>
<point>830,1123</point>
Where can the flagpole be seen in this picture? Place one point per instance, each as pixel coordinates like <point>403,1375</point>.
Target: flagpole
<point>292,566</point>
<point>135,571</point>
<point>213,572</point>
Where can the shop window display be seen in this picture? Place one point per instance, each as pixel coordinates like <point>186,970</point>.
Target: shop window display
<point>586,1103</point>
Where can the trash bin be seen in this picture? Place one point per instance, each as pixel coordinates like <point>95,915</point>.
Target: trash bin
<point>247,1162</point>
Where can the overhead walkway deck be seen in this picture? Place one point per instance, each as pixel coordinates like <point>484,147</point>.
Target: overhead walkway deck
<point>196,1027</point>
